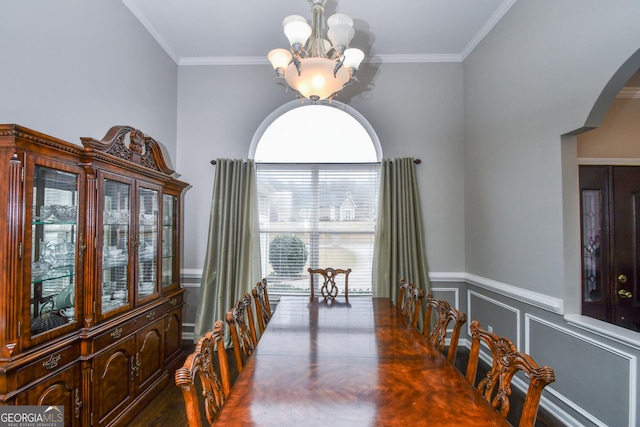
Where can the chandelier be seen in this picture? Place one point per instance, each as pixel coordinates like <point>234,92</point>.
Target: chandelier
<point>316,68</point>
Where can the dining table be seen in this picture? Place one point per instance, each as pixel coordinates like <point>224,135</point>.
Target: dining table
<point>361,363</point>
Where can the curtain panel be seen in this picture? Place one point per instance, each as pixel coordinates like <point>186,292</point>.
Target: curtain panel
<point>399,247</point>
<point>232,262</point>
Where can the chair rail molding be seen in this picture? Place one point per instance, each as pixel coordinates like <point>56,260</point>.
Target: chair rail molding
<point>545,302</point>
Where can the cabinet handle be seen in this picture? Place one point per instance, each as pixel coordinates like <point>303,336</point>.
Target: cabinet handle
<point>81,244</point>
<point>117,333</point>
<point>78,402</point>
<point>52,362</point>
<point>133,369</point>
<point>135,366</point>
<point>173,301</point>
<point>151,315</point>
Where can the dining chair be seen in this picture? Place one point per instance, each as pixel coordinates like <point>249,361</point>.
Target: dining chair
<point>507,360</point>
<point>243,331</point>
<point>409,301</point>
<point>198,377</point>
<point>444,314</point>
<point>263,308</point>
<point>329,289</point>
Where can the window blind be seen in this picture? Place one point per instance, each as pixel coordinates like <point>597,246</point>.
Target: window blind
<point>318,216</point>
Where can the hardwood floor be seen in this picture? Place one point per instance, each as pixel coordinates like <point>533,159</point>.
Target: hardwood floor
<point>167,408</point>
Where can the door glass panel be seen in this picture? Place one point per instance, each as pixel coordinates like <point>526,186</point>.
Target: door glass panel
<point>591,233</point>
<point>115,254</point>
<point>54,236</point>
<point>169,204</point>
<point>148,242</point>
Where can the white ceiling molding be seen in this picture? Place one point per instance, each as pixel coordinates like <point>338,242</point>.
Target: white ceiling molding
<point>158,18</point>
<point>260,60</point>
<point>152,30</point>
<point>491,22</point>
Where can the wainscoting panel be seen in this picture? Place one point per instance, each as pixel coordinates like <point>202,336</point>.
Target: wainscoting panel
<point>192,287</point>
<point>582,363</point>
<point>494,315</point>
<point>451,295</point>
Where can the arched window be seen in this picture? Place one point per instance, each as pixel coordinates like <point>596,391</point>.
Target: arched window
<point>318,169</point>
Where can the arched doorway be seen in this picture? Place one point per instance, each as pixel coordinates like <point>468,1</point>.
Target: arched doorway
<point>609,181</point>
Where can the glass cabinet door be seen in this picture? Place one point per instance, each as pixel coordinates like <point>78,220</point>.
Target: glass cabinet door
<point>116,220</point>
<point>169,206</point>
<point>54,238</point>
<point>147,241</point>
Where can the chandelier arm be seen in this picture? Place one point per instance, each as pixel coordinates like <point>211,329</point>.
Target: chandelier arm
<point>297,63</point>
<point>339,63</point>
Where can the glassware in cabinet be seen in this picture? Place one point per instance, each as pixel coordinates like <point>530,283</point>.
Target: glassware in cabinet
<point>169,205</point>
<point>54,238</point>
<point>148,237</point>
<point>116,223</point>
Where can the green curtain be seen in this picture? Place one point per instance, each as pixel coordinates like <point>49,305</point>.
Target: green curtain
<point>399,245</point>
<point>232,262</point>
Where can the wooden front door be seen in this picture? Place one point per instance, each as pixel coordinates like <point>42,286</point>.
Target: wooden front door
<point>610,223</point>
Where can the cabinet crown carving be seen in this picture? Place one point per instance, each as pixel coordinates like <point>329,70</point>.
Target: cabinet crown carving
<point>130,144</point>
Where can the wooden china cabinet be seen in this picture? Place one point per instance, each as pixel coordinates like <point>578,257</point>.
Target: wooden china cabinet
<point>90,295</point>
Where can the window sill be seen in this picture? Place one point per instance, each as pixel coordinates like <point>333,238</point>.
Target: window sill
<point>605,330</point>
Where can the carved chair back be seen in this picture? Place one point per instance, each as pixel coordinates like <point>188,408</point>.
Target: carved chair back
<point>243,330</point>
<point>496,386</point>
<point>409,300</point>
<point>444,314</point>
<point>263,308</point>
<point>329,289</point>
<point>198,378</point>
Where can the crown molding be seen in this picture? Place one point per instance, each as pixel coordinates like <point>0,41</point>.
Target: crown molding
<point>387,59</point>
<point>487,27</point>
<point>152,30</point>
<point>262,60</point>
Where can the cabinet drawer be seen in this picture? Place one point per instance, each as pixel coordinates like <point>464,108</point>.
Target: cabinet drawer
<point>174,301</point>
<point>149,316</point>
<point>47,364</point>
<point>122,330</point>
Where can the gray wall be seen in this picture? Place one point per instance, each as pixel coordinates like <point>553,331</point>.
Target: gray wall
<point>73,68</point>
<point>220,108</point>
<point>536,77</point>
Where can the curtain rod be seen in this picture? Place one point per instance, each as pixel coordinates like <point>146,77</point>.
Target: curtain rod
<point>416,161</point>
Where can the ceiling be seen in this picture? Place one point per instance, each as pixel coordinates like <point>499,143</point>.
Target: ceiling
<point>244,31</point>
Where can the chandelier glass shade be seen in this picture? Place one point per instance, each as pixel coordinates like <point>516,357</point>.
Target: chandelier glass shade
<point>314,67</point>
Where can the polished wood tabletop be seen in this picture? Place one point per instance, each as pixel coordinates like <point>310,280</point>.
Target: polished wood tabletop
<point>361,364</point>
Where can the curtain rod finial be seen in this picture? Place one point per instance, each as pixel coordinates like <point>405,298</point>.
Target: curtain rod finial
<point>213,162</point>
